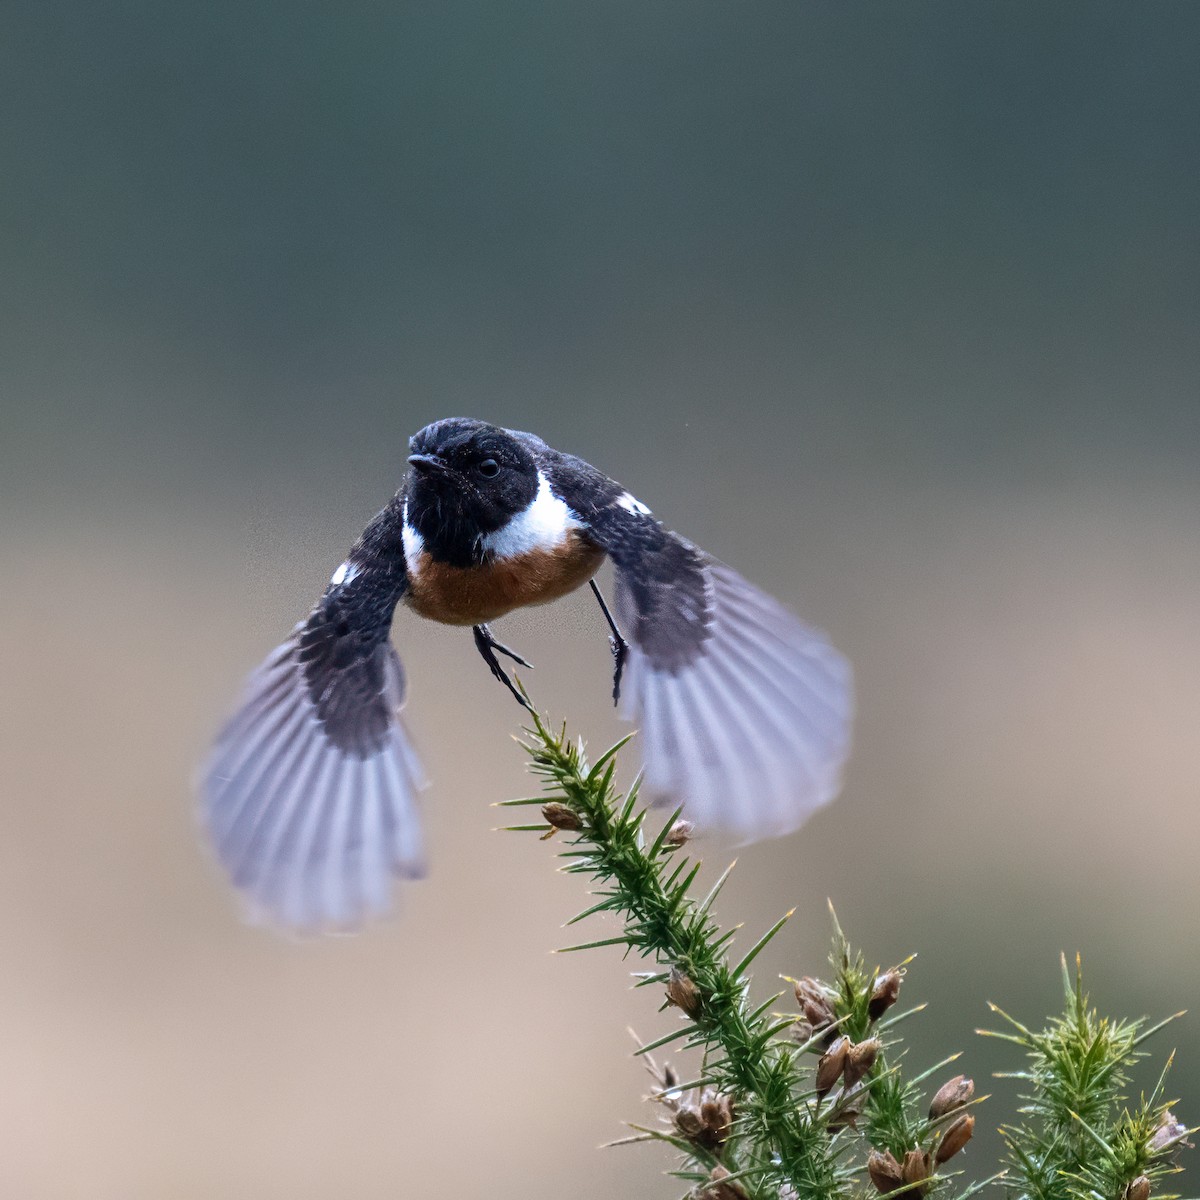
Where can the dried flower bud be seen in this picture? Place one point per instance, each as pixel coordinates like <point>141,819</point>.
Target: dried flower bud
<point>1139,1189</point>
<point>845,1116</point>
<point>884,1171</point>
<point>884,993</point>
<point>716,1111</point>
<point>705,1120</point>
<point>1170,1132</point>
<point>957,1135</point>
<point>915,1169</point>
<point>681,833</point>
<point>954,1093</point>
<point>801,1033</point>
<point>689,1122</point>
<point>718,1187</point>
<point>831,1065</point>
<point>860,1059</point>
<point>561,816</point>
<point>683,993</point>
<point>810,995</point>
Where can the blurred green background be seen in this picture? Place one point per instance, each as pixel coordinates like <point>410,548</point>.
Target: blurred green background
<point>894,307</point>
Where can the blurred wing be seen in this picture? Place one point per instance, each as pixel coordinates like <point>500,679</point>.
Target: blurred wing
<point>745,711</point>
<point>309,795</point>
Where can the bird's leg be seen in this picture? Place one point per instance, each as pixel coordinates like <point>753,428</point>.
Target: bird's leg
<point>487,647</point>
<point>616,643</point>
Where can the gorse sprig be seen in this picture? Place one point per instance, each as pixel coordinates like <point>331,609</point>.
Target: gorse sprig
<point>1078,1140</point>
<point>814,1104</point>
<point>647,883</point>
<point>775,1109</point>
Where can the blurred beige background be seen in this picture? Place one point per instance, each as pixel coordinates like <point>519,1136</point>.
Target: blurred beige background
<point>893,308</point>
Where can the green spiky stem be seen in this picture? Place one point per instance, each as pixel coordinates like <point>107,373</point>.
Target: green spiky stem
<point>646,883</point>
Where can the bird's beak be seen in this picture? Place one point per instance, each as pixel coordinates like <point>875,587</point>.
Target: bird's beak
<point>426,462</point>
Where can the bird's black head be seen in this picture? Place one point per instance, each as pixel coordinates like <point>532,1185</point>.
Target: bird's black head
<point>468,479</point>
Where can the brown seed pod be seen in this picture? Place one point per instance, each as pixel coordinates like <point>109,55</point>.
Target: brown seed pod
<point>561,816</point>
<point>811,997</point>
<point>831,1066</point>
<point>683,993</point>
<point>954,1093</point>
<point>884,1171</point>
<point>1139,1189</point>
<point>860,1059</point>
<point>915,1169</point>
<point>957,1135</point>
<point>884,994</point>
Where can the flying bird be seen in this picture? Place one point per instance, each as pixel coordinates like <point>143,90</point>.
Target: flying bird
<point>309,795</point>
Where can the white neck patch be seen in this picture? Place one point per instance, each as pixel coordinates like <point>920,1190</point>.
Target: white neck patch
<point>544,525</point>
<point>414,545</point>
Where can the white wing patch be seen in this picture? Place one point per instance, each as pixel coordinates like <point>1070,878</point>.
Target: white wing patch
<point>544,525</point>
<point>344,574</point>
<point>630,503</point>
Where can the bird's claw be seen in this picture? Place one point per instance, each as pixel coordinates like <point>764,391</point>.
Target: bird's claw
<point>620,651</point>
<point>488,647</point>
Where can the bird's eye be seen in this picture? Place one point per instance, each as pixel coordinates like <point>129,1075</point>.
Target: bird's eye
<point>489,468</point>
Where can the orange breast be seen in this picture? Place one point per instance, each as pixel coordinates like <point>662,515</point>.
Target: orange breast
<point>473,595</point>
